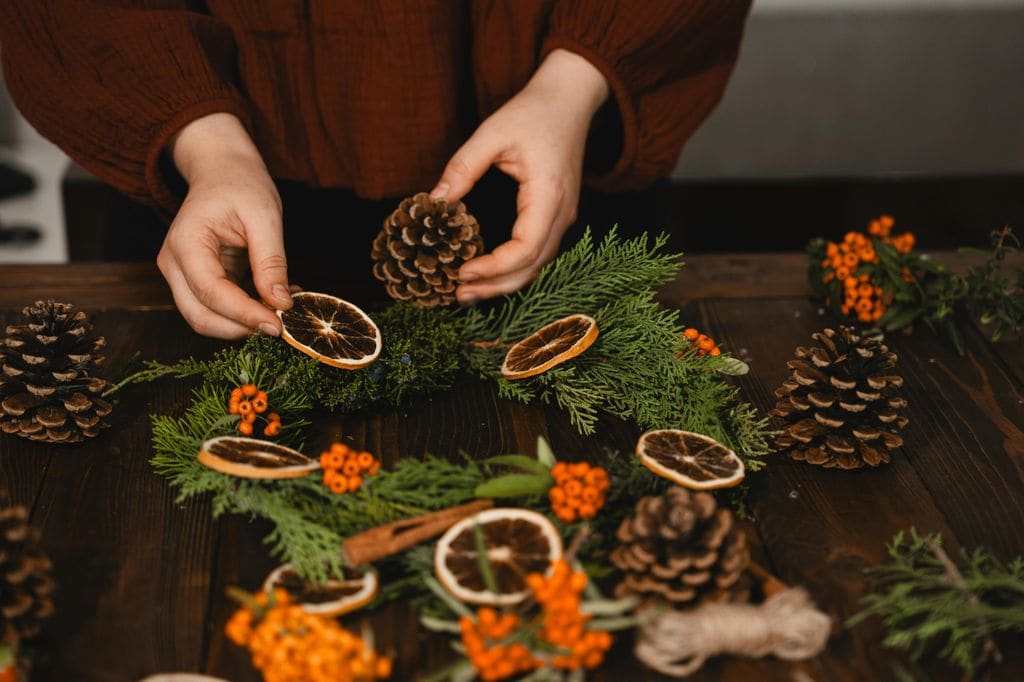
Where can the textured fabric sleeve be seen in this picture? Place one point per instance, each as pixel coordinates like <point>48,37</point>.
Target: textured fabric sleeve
<point>110,82</point>
<point>666,62</point>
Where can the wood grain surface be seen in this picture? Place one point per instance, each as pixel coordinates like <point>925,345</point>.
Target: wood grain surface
<point>142,578</point>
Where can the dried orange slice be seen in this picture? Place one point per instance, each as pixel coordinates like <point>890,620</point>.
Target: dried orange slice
<point>690,459</point>
<point>252,458</point>
<point>550,345</point>
<point>518,542</point>
<point>333,331</point>
<point>332,598</point>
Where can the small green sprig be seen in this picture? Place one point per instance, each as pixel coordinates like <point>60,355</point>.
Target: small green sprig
<point>925,599</point>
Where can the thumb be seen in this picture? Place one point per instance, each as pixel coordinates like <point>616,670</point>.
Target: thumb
<point>267,260</point>
<point>467,165</point>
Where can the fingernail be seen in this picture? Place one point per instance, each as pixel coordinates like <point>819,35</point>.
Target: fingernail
<point>269,329</point>
<point>468,277</point>
<point>281,293</point>
<point>440,191</point>
<point>468,299</point>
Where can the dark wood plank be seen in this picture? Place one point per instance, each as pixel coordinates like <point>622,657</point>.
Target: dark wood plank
<point>132,566</point>
<point>90,286</point>
<point>821,527</point>
<point>966,438</point>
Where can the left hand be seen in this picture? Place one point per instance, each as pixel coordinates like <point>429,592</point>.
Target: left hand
<point>537,138</point>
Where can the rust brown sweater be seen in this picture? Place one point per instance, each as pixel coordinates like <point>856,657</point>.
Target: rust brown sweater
<point>374,95</point>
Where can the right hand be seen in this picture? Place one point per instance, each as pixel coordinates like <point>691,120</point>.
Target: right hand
<point>230,220</point>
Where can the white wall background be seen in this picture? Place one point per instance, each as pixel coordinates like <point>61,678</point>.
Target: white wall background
<point>867,87</point>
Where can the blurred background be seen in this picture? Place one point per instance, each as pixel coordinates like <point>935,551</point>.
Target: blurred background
<point>838,110</point>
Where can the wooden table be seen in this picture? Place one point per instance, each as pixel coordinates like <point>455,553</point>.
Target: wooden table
<point>142,578</point>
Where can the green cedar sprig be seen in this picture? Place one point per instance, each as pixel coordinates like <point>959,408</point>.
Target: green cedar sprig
<point>935,296</point>
<point>924,599</point>
<point>638,369</point>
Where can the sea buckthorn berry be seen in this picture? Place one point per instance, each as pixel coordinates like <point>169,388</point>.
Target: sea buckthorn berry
<point>244,407</point>
<point>236,393</point>
<point>691,334</point>
<point>249,390</point>
<point>351,466</point>
<point>573,488</point>
<point>332,459</point>
<point>338,485</point>
<point>365,460</point>
<point>249,418</point>
<point>259,403</point>
<point>245,428</point>
<point>272,429</point>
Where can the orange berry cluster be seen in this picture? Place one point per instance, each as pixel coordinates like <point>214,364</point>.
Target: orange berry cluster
<point>344,468</point>
<point>563,624</point>
<point>288,644</point>
<point>861,296</point>
<point>705,344</point>
<point>579,490</point>
<point>494,660</point>
<point>248,402</point>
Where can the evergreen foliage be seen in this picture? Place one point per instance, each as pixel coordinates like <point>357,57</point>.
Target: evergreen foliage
<point>925,600</point>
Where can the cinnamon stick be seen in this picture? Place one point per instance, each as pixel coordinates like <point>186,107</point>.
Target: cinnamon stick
<point>391,538</point>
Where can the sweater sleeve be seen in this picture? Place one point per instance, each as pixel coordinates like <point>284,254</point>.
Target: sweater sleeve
<point>110,82</point>
<point>666,62</point>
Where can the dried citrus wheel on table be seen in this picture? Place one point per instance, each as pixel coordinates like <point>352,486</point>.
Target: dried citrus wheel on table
<point>332,598</point>
<point>550,345</point>
<point>690,459</point>
<point>252,458</point>
<point>333,331</point>
<point>517,542</point>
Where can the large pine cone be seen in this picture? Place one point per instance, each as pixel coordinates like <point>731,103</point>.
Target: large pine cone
<point>840,407</point>
<point>26,586</point>
<point>49,390</point>
<point>418,252</point>
<point>680,548</point>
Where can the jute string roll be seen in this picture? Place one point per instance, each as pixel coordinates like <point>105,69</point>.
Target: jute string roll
<point>786,624</point>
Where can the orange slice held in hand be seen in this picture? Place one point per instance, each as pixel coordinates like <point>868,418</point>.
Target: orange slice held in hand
<point>332,598</point>
<point>690,459</point>
<point>252,458</point>
<point>517,542</point>
<point>550,345</point>
<point>333,331</point>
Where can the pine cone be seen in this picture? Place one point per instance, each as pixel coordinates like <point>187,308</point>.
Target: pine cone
<point>418,252</point>
<point>26,586</point>
<point>840,407</point>
<point>48,387</point>
<point>682,549</point>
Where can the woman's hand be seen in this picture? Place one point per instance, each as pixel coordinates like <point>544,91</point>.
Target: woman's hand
<point>230,219</point>
<point>537,137</point>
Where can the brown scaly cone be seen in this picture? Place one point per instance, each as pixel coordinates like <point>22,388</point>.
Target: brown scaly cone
<point>840,407</point>
<point>26,584</point>
<point>681,549</point>
<point>421,246</point>
<point>49,390</point>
